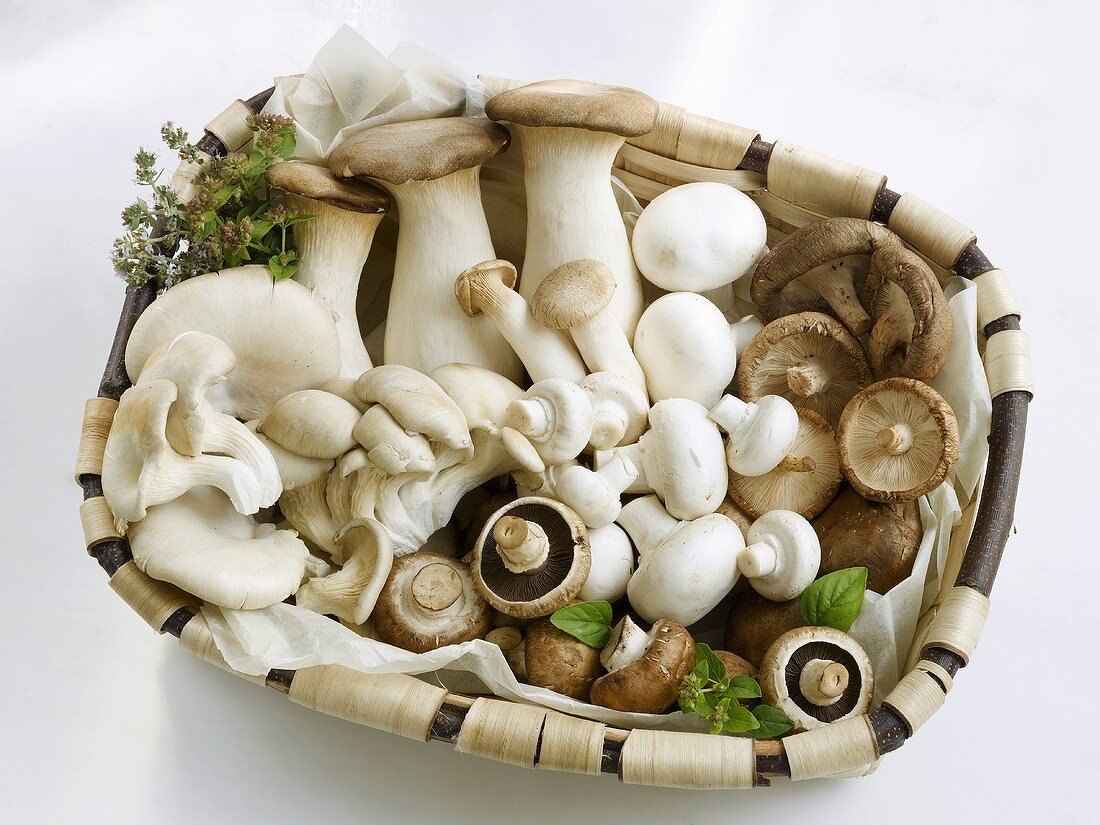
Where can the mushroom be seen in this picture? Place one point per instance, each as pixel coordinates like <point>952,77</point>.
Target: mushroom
<point>351,592</point>
<point>755,622</point>
<point>810,359</point>
<point>201,544</point>
<point>577,297</point>
<point>611,567</point>
<point>388,445</point>
<point>306,508</point>
<point>333,245</point>
<point>684,345</point>
<point>311,423</point>
<point>428,602</point>
<point>282,334</point>
<point>645,669</point>
<point>680,458</point>
<point>913,327</point>
<point>782,556</point>
<point>817,268</point>
<point>698,236</point>
<point>555,660</point>
<point>734,664</point>
<point>898,439</point>
<point>817,675</point>
<point>294,470</point>
<point>761,433</point>
<point>556,416</point>
<point>805,481</point>
<point>855,532</point>
<point>531,558</point>
<point>345,388</point>
<point>595,495</point>
<point>418,404</point>
<point>487,289</point>
<point>684,568</point>
<point>509,638</point>
<point>620,410</point>
<point>430,167</point>
<point>570,132</point>
<point>744,330</point>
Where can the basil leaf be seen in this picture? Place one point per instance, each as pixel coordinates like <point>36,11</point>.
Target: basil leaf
<point>701,671</point>
<point>836,599</point>
<point>773,722</point>
<point>743,687</point>
<point>740,720</point>
<point>715,668</point>
<point>588,621</point>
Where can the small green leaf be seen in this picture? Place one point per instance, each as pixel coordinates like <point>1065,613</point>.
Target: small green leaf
<point>740,720</point>
<point>743,687</point>
<point>701,671</point>
<point>588,621</point>
<point>715,669</point>
<point>836,599</point>
<point>773,722</point>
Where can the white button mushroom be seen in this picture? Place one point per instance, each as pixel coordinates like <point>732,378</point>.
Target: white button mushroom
<point>782,556</point>
<point>612,564</point>
<point>761,433</point>
<point>595,495</point>
<point>620,410</point>
<point>556,416</point>
<point>698,236</point>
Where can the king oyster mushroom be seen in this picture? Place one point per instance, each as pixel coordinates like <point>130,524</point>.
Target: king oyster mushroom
<point>644,669</point>
<point>555,660</point>
<point>531,558</point>
<point>898,439</point>
<point>810,359</point>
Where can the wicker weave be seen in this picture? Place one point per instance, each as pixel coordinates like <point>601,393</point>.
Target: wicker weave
<point>793,186</point>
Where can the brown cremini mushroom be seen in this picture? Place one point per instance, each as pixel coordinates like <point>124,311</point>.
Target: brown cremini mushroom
<point>430,601</point>
<point>804,482</point>
<point>755,622</point>
<point>898,439</point>
<point>817,675</point>
<point>883,537</point>
<point>555,660</point>
<point>645,669</point>
<point>810,359</point>
<point>735,665</point>
<point>532,557</point>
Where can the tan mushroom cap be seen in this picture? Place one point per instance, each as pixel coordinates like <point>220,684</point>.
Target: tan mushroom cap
<point>573,293</point>
<point>755,622</point>
<point>804,482</point>
<point>810,359</point>
<point>555,660</point>
<point>898,439</point>
<point>618,110</point>
<point>650,683</point>
<point>472,286</point>
<point>817,675</point>
<point>413,150</point>
<point>318,183</point>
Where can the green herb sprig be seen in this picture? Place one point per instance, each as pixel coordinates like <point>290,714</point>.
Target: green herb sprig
<point>709,692</point>
<point>231,220</point>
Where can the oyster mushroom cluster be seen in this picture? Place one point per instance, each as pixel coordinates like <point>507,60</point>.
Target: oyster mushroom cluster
<point>542,436</point>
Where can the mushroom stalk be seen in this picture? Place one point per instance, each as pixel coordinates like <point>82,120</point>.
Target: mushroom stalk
<point>522,544</point>
<point>605,348</point>
<point>834,283</point>
<point>823,681</point>
<point>896,439</point>
<point>436,587</point>
<point>647,523</point>
<point>805,380</point>
<point>626,644</point>
<point>759,559</point>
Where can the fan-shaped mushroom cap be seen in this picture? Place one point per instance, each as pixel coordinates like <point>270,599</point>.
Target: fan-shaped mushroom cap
<point>311,423</point>
<point>351,592</point>
<point>284,337</point>
<point>557,661</point>
<point>575,103</point>
<point>810,359</point>
<point>817,675</point>
<point>418,150</point>
<point>532,557</point>
<point>481,395</point>
<point>417,402</point>
<point>898,439</point>
<point>650,682</point>
<point>805,481</point>
<point>318,183</point>
<point>573,293</point>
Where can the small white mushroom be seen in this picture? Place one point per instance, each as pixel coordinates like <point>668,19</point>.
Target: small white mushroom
<point>761,433</point>
<point>351,592</point>
<point>744,330</point>
<point>595,495</point>
<point>620,410</point>
<point>556,416</point>
<point>389,446</point>
<point>782,556</point>
<point>612,564</point>
<point>311,423</point>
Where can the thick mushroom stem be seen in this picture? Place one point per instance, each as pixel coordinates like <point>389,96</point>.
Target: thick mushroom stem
<point>605,347</point>
<point>647,523</point>
<point>534,417</point>
<point>435,587</point>
<point>759,559</point>
<point>333,247</point>
<point>834,283</point>
<point>609,423</point>
<point>807,379</point>
<point>626,643</point>
<point>620,410</point>
<point>897,439</point>
<point>572,212</point>
<point>522,544</point>
<point>729,413</point>
<point>823,682</point>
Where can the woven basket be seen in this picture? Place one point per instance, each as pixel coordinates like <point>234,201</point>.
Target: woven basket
<point>793,186</point>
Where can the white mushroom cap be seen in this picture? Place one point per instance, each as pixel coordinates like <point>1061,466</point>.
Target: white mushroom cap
<point>698,236</point>
<point>417,402</point>
<point>684,345</point>
<point>556,416</point>
<point>284,336</point>
<point>595,495</point>
<point>199,543</point>
<point>612,564</point>
<point>351,592</point>
<point>782,556</point>
<point>620,410</point>
<point>761,434</point>
<point>311,423</point>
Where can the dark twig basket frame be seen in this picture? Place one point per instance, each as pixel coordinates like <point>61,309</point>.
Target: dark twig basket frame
<point>793,186</point>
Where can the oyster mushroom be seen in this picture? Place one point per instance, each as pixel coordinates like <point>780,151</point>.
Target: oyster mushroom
<point>418,403</point>
<point>556,417</point>
<point>644,669</point>
<point>810,359</point>
<point>555,660</point>
<point>311,423</point>
<point>430,601</point>
<point>805,481</point>
<point>898,439</point>
<point>294,470</point>
<point>620,410</point>
<point>531,558</point>
<point>351,592</point>
<point>755,622</point>
<point>389,446</point>
<point>333,245</point>
<point>817,675</point>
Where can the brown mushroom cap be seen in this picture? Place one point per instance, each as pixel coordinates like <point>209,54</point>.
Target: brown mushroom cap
<point>575,103</point>
<point>650,683</point>
<point>883,537</point>
<point>474,287</point>
<point>429,601</point>
<point>755,622</point>
<point>318,183</point>
<point>804,482</point>
<point>831,693</point>
<point>732,510</point>
<point>735,665</point>
<point>810,359</point>
<point>418,149</point>
<point>553,659</point>
<point>898,439</point>
<point>573,293</point>
<point>913,326</point>
<point>554,583</point>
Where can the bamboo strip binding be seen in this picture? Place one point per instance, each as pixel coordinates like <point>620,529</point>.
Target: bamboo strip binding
<point>99,413</point>
<point>687,760</point>
<point>97,521</point>
<point>916,698</point>
<point>153,600</point>
<point>1008,363</point>
<point>834,749</point>
<point>502,731</point>
<point>959,622</point>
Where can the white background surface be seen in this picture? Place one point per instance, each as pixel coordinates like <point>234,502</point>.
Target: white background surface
<point>985,111</point>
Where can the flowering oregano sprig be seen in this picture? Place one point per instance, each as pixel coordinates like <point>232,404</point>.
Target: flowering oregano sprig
<point>709,692</point>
